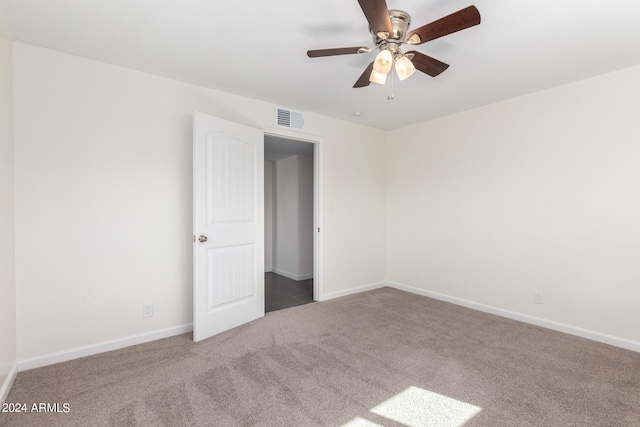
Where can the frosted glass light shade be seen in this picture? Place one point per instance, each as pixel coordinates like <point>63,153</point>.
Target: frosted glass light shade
<point>377,77</point>
<point>383,62</point>
<point>404,68</point>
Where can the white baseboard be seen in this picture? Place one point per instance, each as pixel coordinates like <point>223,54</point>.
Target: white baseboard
<point>352,291</point>
<point>549,324</point>
<point>89,350</point>
<point>296,277</point>
<point>63,356</point>
<point>8,382</point>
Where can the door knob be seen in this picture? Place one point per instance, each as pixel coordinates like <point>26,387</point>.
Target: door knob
<point>202,238</point>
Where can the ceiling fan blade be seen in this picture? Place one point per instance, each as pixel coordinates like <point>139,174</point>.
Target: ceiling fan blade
<point>427,64</point>
<point>364,78</point>
<point>377,14</point>
<point>338,51</point>
<point>464,18</point>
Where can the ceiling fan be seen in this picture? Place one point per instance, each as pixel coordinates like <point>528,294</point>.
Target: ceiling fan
<point>389,29</point>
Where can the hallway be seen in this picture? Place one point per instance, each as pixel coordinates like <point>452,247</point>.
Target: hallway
<point>282,292</point>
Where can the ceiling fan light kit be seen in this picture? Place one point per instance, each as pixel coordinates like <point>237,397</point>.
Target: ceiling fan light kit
<point>390,30</point>
<point>376,77</point>
<point>404,68</point>
<point>383,61</point>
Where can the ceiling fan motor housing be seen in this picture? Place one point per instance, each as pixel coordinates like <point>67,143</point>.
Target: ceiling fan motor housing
<point>400,22</point>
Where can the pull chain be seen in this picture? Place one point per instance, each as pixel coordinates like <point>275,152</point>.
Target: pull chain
<point>390,96</point>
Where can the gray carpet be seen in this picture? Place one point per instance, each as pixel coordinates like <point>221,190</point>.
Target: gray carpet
<point>383,357</point>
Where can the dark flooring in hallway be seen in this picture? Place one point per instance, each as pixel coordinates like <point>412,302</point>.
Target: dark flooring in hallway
<point>281,292</point>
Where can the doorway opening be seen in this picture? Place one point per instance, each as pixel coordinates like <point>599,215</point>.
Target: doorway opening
<point>291,220</point>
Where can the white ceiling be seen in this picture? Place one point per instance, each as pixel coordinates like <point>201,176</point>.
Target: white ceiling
<point>257,48</point>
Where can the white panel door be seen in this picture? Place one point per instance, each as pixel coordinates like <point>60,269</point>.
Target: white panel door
<point>228,225</point>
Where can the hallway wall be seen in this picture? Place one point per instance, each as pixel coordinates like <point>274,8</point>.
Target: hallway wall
<point>269,214</point>
<point>294,217</point>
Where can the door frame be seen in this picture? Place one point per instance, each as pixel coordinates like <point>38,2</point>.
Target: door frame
<point>318,241</point>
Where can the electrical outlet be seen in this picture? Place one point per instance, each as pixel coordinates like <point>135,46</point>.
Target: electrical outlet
<point>147,309</point>
<point>537,297</point>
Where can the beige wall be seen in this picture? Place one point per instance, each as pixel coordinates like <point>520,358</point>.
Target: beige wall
<point>103,199</point>
<point>354,204</point>
<point>538,193</point>
<point>7,259</point>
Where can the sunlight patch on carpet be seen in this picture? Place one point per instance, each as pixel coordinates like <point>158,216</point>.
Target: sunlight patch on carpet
<point>361,422</point>
<point>416,407</point>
